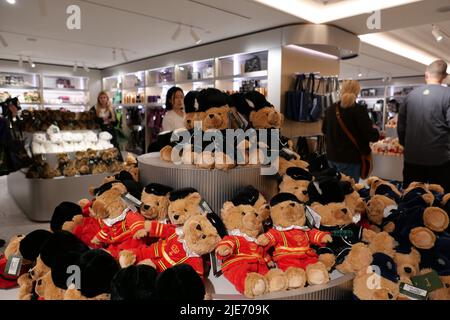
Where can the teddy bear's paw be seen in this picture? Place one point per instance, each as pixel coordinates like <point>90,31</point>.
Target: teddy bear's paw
<point>166,154</point>
<point>317,273</point>
<point>148,262</point>
<point>255,285</point>
<point>68,226</point>
<point>223,251</point>
<point>435,219</point>
<point>95,241</point>
<point>84,202</point>
<point>126,258</point>
<point>140,234</point>
<point>277,280</point>
<point>262,240</point>
<point>103,296</point>
<point>72,293</point>
<point>422,238</point>
<point>328,259</point>
<point>296,277</point>
<point>389,227</point>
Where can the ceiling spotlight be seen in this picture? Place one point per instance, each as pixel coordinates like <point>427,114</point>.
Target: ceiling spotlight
<point>85,68</point>
<point>195,36</point>
<point>11,1</point>
<point>114,54</point>
<point>177,32</point>
<point>75,67</point>
<point>3,41</point>
<point>31,63</point>
<point>124,56</point>
<point>360,74</point>
<point>437,33</point>
<point>20,62</point>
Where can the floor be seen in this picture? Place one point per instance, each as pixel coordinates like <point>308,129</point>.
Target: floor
<point>13,221</point>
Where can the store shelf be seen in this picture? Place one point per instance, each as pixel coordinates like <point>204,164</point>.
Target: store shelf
<point>133,88</point>
<point>160,85</point>
<point>249,75</point>
<point>209,80</point>
<point>66,104</point>
<point>5,86</point>
<point>66,89</point>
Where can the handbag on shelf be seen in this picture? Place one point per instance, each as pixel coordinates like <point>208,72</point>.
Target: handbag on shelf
<point>252,64</point>
<point>366,159</point>
<point>301,101</point>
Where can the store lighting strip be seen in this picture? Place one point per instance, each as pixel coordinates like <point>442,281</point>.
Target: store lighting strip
<point>397,47</point>
<point>318,13</point>
<point>313,52</point>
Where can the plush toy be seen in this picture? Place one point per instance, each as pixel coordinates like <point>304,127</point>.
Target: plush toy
<point>249,195</point>
<point>82,162</point>
<point>288,159</point>
<point>244,261</point>
<point>191,108</point>
<point>184,203</point>
<point>121,228</point>
<point>63,215</point>
<point>379,281</point>
<point>407,260</point>
<point>214,104</point>
<point>296,181</point>
<point>291,240</point>
<point>155,202</point>
<point>97,269</point>
<point>381,187</point>
<point>135,283</point>
<point>380,207</point>
<point>198,236</point>
<point>179,283</point>
<point>66,166</point>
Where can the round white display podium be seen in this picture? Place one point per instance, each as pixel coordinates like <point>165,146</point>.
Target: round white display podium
<point>215,186</point>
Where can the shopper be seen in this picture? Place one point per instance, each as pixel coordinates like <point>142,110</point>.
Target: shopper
<point>174,117</point>
<point>424,130</point>
<point>342,153</point>
<point>105,116</point>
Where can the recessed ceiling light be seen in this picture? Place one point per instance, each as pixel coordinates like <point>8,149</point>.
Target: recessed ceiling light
<point>11,1</point>
<point>316,12</point>
<point>195,37</point>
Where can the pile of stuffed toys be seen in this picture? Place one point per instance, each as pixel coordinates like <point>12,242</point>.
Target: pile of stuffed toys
<point>130,241</point>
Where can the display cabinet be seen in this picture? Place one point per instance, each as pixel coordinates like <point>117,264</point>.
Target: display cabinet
<point>70,93</point>
<point>25,86</point>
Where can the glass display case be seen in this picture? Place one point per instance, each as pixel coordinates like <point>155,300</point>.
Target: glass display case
<point>133,88</point>
<point>70,93</point>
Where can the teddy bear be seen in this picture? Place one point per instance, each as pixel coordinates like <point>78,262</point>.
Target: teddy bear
<point>66,166</point>
<point>12,249</point>
<point>183,203</point>
<point>97,269</point>
<point>249,195</point>
<point>155,202</point>
<point>199,236</point>
<point>407,259</point>
<point>296,181</point>
<point>381,187</point>
<point>292,239</point>
<point>244,261</point>
<point>380,281</point>
<point>134,283</point>
<point>380,207</point>
<point>214,104</point>
<point>63,216</point>
<point>82,162</point>
<point>191,108</point>
<point>121,228</point>
<point>339,220</point>
<point>131,165</point>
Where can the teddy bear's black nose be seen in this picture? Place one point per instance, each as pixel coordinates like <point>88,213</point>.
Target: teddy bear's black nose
<point>390,296</point>
<point>176,217</point>
<point>188,121</point>
<point>408,270</point>
<point>344,210</point>
<point>146,206</point>
<point>39,282</point>
<point>267,207</point>
<point>292,204</point>
<point>211,116</point>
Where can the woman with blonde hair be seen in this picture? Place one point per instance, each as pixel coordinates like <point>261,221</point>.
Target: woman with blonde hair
<point>348,131</point>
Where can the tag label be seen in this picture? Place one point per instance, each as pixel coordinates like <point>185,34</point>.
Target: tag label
<point>204,206</point>
<point>428,282</point>
<point>356,218</point>
<point>312,218</point>
<point>316,185</point>
<point>131,202</point>
<point>412,292</point>
<point>13,266</point>
<point>389,209</point>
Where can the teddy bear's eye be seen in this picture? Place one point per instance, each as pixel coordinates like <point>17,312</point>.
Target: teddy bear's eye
<point>296,188</point>
<point>242,213</point>
<point>447,285</point>
<point>203,236</point>
<point>157,203</point>
<point>198,227</point>
<point>185,210</point>
<point>305,192</point>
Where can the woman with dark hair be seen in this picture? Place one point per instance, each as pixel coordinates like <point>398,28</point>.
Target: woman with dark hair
<point>174,117</point>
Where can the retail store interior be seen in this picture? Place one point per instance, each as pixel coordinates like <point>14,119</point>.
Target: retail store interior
<point>59,57</point>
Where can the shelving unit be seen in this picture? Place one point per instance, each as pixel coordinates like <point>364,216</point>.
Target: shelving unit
<point>25,86</point>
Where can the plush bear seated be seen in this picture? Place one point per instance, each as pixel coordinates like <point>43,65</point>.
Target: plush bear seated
<point>155,202</point>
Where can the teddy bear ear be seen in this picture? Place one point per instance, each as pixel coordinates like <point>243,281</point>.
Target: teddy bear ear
<point>195,196</point>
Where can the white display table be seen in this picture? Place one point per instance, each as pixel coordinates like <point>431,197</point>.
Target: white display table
<point>215,186</point>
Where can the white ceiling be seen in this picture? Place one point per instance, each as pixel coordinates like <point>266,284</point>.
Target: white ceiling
<point>144,28</point>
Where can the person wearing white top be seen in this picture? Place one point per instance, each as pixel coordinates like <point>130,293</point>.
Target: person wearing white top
<point>174,117</point>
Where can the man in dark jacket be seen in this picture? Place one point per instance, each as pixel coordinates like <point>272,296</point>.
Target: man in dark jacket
<point>424,130</point>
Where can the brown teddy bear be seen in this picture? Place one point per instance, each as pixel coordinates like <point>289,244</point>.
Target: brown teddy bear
<point>379,207</point>
<point>121,228</point>
<point>184,203</point>
<point>82,162</point>
<point>249,195</point>
<point>408,261</point>
<point>191,108</point>
<point>155,202</point>
<point>382,187</point>
<point>291,240</point>
<point>199,236</point>
<point>296,181</point>
<point>244,261</point>
<point>46,289</point>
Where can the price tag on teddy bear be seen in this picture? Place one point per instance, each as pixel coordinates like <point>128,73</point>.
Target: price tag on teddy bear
<point>205,207</point>
<point>13,266</point>
<point>412,292</point>
<point>312,218</point>
<point>132,202</point>
<point>428,282</point>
